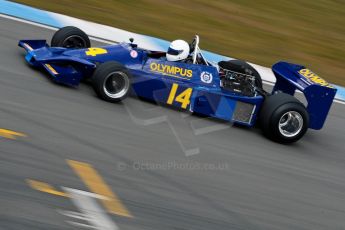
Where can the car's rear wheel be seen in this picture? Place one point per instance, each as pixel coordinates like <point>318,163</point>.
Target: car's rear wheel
<point>111,81</point>
<point>283,118</point>
<point>70,37</point>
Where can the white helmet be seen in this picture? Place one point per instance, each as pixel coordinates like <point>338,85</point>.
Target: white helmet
<point>178,50</point>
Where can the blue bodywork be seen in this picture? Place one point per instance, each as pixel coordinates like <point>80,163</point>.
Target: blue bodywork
<point>154,79</point>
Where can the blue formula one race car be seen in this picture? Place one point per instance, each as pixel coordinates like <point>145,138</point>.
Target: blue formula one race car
<point>228,90</point>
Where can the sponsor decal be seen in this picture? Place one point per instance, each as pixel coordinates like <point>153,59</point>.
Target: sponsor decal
<point>134,54</point>
<point>173,71</point>
<point>314,78</point>
<point>206,77</point>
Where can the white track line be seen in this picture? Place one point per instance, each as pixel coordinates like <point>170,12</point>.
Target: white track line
<point>104,41</point>
<point>339,101</point>
<point>28,22</point>
<point>49,27</point>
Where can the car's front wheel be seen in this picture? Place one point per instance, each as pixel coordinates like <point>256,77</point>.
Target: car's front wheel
<point>283,118</point>
<point>111,81</point>
<point>70,37</point>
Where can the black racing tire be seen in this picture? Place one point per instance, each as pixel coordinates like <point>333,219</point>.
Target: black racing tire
<point>242,67</point>
<point>111,81</point>
<point>283,118</point>
<point>70,37</point>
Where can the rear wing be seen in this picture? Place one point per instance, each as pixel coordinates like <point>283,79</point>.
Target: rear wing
<point>318,93</point>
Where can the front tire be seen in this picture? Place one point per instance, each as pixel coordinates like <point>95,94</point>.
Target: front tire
<point>70,37</point>
<point>111,81</point>
<point>283,118</point>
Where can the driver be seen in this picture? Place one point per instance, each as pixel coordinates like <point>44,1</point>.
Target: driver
<point>178,51</point>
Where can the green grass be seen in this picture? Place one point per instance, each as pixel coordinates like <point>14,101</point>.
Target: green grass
<point>308,32</point>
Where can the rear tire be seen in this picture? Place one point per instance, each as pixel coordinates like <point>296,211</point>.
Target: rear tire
<point>70,37</point>
<point>283,118</point>
<point>111,81</point>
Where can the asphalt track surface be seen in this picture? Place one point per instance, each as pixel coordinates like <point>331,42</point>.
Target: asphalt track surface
<point>244,182</point>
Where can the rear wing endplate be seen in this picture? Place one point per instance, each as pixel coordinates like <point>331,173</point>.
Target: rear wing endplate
<point>318,93</point>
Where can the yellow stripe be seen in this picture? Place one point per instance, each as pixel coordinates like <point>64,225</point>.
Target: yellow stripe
<point>29,47</point>
<point>97,185</point>
<point>44,187</point>
<point>10,134</point>
<point>51,69</point>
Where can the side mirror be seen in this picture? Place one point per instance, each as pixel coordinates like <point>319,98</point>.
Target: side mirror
<point>132,44</point>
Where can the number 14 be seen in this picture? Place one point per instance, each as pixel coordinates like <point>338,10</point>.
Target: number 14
<point>183,98</point>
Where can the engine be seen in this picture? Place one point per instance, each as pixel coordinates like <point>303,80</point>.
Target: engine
<point>238,82</point>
